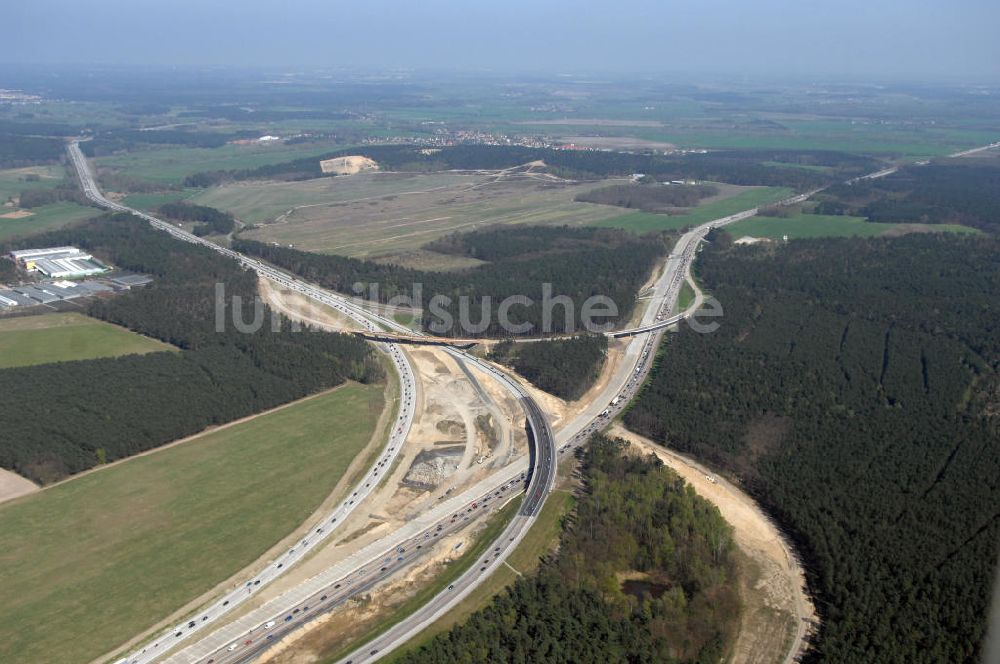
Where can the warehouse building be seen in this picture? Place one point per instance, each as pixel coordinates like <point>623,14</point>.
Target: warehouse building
<point>59,262</point>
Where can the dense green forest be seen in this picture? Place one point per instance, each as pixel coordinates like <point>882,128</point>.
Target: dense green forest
<point>577,262</point>
<point>66,417</point>
<point>211,220</point>
<point>790,168</point>
<point>853,388</point>
<point>636,517</point>
<point>945,192</point>
<point>17,151</point>
<point>8,271</point>
<point>563,367</point>
<point>649,197</point>
<point>29,126</point>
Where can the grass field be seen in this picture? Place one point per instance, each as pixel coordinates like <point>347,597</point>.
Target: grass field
<point>685,297</point>
<point>89,563</point>
<point>391,215</point>
<point>13,180</point>
<point>67,336</point>
<point>46,218</point>
<point>644,222</point>
<point>151,201</point>
<point>790,133</point>
<point>819,225</point>
<point>170,165</point>
<point>255,202</point>
<point>542,538</point>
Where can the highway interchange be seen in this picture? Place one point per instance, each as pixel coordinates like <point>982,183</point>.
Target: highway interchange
<point>620,389</point>
<point>244,638</point>
<point>540,477</point>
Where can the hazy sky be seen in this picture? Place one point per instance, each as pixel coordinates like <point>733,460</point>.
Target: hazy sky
<point>915,39</point>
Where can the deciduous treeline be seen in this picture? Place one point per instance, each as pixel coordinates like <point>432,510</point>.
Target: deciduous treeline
<point>639,520</point>
<point>32,198</point>
<point>212,220</point>
<point>649,197</point>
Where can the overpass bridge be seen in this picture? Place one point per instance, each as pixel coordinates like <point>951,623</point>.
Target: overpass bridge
<point>420,340</point>
<point>415,339</point>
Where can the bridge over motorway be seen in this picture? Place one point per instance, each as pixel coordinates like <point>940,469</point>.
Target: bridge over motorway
<point>398,338</point>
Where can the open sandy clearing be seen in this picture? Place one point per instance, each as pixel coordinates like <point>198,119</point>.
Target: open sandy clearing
<point>347,165</point>
<point>13,485</point>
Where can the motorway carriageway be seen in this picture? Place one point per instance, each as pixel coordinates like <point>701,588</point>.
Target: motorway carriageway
<point>320,530</point>
<point>539,482</point>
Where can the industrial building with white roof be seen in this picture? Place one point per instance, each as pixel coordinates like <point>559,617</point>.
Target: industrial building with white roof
<point>59,262</point>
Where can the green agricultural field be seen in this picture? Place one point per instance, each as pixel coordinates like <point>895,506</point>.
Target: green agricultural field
<point>40,219</point>
<point>644,222</point>
<point>801,133</point>
<point>91,562</point>
<point>15,180</point>
<point>151,201</point>
<point>170,165</point>
<point>68,336</point>
<point>44,218</point>
<point>820,225</point>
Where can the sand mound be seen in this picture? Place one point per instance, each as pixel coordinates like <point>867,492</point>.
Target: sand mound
<point>17,214</point>
<point>347,165</point>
